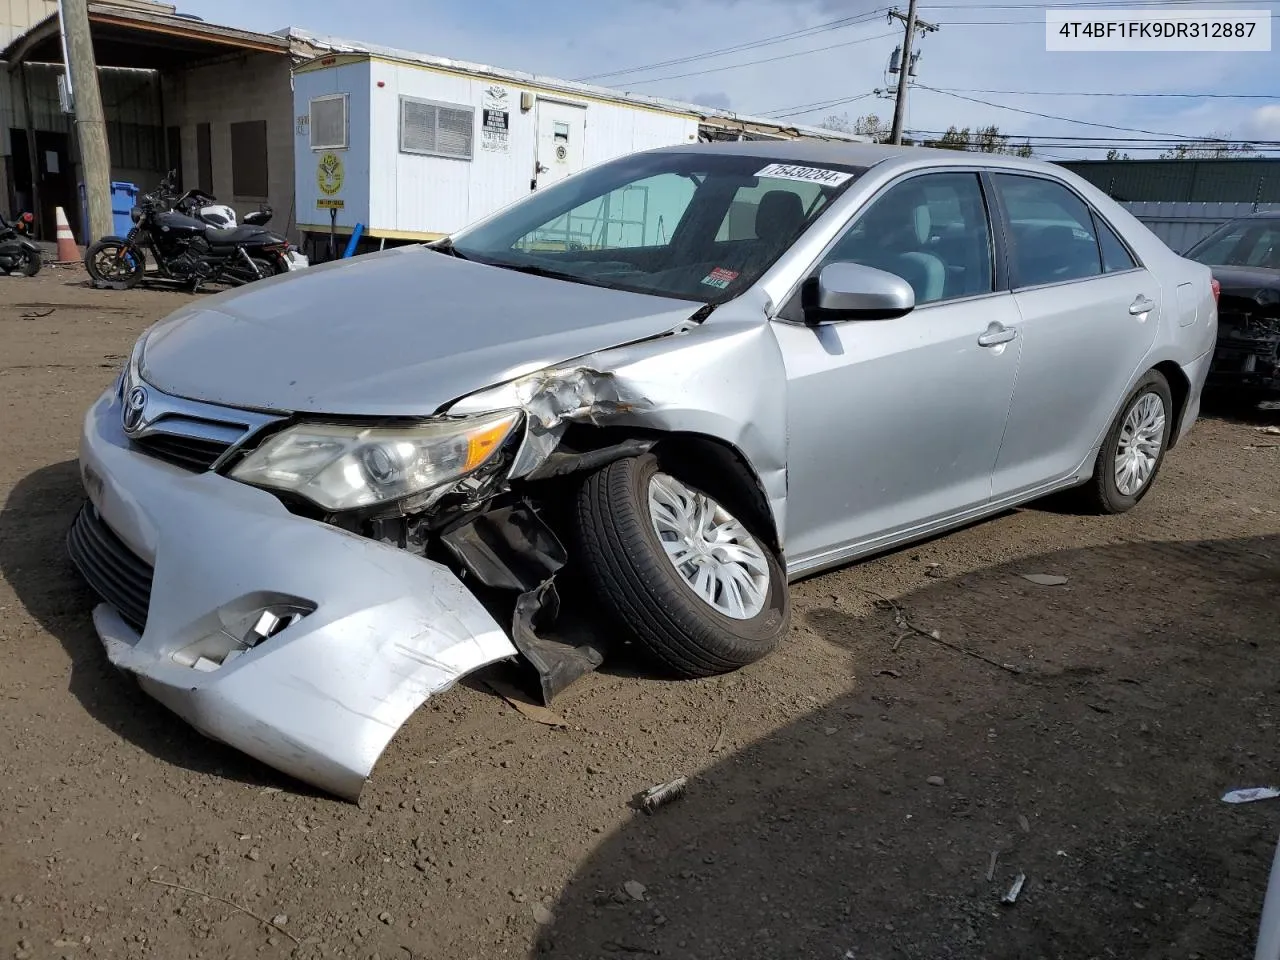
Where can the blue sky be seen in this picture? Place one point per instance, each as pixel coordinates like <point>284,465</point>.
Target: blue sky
<point>579,38</point>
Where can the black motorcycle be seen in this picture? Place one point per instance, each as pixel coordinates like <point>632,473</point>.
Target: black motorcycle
<point>17,250</point>
<point>187,250</point>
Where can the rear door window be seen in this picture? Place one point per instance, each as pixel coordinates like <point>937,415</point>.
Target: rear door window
<point>1052,233</point>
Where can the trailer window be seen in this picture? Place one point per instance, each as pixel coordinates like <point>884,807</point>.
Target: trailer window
<point>436,129</point>
<point>329,122</point>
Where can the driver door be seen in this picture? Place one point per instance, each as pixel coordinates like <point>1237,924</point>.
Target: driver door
<point>895,425</point>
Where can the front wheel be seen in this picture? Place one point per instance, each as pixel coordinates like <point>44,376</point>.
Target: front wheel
<point>31,263</point>
<point>115,264</point>
<point>1133,449</point>
<point>701,592</point>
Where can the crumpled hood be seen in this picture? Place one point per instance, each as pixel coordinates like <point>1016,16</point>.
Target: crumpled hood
<point>1246,281</point>
<point>396,333</point>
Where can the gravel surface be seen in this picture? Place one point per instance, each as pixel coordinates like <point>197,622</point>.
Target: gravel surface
<point>871,791</point>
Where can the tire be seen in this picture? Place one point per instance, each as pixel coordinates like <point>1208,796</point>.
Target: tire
<point>1104,492</point>
<point>31,264</point>
<point>239,274</point>
<point>624,560</point>
<point>114,265</point>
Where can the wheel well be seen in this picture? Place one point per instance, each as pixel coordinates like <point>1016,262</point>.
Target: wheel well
<point>708,462</point>
<point>1180,391</point>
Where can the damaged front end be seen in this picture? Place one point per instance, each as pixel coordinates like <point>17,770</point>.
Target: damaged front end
<point>1247,357</point>
<point>310,587</point>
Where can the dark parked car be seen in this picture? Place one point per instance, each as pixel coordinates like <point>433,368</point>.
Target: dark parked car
<point>1245,257</point>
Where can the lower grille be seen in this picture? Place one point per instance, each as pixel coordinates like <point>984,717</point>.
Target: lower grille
<point>116,573</point>
<point>192,453</point>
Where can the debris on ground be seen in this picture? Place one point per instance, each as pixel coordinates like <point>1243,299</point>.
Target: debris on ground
<point>936,782</point>
<point>1251,794</point>
<point>635,889</point>
<point>1012,895</point>
<point>524,706</point>
<point>991,865</point>
<point>1045,579</point>
<point>663,793</point>
<point>541,915</point>
<point>1270,431</point>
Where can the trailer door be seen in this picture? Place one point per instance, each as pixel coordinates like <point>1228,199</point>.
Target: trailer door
<point>562,130</point>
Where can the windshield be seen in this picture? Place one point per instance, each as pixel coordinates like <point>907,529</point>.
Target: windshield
<point>695,226</point>
<point>1241,243</point>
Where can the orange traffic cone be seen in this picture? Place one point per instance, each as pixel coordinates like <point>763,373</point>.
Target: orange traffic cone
<point>67,250</point>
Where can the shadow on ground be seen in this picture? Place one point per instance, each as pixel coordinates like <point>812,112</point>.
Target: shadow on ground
<point>1144,688</point>
<point>34,561</point>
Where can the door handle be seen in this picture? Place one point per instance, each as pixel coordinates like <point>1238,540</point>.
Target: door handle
<point>997,334</point>
<point>1141,305</point>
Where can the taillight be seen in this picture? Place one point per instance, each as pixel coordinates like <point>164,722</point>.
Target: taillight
<point>1216,287</point>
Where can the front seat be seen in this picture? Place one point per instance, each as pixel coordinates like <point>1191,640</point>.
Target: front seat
<point>924,271</point>
<point>779,217</point>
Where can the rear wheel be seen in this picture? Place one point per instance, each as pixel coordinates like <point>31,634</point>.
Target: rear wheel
<point>264,267</point>
<point>31,263</point>
<point>114,264</point>
<point>1133,449</point>
<point>700,591</point>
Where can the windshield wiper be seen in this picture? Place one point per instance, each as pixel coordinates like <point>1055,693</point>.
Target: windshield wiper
<point>446,246</point>
<point>538,270</point>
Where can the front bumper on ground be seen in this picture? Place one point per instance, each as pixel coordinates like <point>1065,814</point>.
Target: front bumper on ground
<point>319,700</point>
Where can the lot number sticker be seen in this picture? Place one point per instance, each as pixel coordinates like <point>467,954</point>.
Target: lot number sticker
<point>789,171</point>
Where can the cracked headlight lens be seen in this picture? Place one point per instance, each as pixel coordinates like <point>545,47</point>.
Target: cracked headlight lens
<point>341,467</point>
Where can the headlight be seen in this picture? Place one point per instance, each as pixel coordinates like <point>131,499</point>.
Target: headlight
<point>343,467</point>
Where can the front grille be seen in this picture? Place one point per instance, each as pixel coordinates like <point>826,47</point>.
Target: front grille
<point>116,573</point>
<point>192,453</point>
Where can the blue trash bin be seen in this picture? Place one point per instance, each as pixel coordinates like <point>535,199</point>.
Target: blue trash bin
<point>124,196</point>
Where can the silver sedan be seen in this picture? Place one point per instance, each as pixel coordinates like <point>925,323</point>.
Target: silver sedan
<point>633,406</point>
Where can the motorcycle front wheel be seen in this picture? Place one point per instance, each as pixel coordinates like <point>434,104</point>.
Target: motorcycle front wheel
<point>115,264</point>
<point>30,264</point>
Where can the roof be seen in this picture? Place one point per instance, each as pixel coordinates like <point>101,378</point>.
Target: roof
<point>152,39</point>
<point>870,154</point>
<point>1214,180</point>
<point>714,116</point>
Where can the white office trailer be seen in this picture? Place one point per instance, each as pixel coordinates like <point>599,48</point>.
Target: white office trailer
<point>411,147</point>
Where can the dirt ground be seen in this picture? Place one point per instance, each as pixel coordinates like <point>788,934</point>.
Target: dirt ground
<point>846,797</point>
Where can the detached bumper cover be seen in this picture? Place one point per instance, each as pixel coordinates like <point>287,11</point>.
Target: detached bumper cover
<point>319,700</point>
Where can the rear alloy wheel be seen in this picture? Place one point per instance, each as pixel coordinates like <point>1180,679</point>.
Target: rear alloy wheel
<point>701,592</point>
<point>1134,447</point>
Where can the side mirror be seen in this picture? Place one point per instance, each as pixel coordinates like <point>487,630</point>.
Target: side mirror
<point>851,291</point>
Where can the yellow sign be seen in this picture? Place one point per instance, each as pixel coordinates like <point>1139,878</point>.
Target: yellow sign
<point>329,174</point>
<point>330,204</point>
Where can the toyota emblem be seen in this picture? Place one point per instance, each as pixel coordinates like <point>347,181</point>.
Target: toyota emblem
<point>134,404</point>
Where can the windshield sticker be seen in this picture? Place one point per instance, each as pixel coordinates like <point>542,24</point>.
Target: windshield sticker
<point>720,278</point>
<point>789,171</point>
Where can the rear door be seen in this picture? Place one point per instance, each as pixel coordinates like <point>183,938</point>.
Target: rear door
<point>1089,313</point>
<point>562,134</point>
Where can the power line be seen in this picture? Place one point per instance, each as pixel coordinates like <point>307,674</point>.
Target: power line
<point>748,45</point>
<point>801,108</point>
<point>1086,4</point>
<point>983,23</point>
<point>1098,93</point>
<point>752,63</point>
<point>1087,123</point>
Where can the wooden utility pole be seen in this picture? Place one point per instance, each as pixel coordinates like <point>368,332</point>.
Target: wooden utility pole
<point>91,127</point>
<point>912,24</point>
